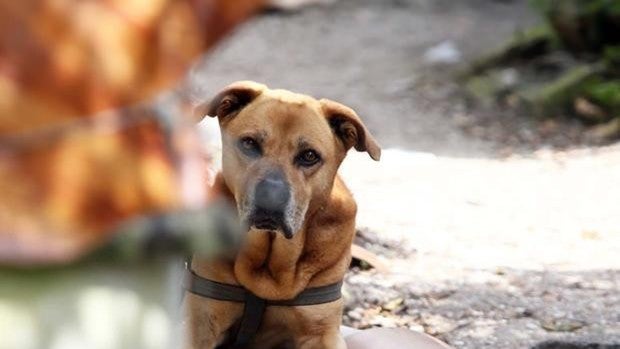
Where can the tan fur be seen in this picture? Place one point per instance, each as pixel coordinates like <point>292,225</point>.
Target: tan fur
<point>268,264</point>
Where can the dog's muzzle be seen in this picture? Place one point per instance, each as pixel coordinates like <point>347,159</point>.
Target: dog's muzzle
<point>272,196</point>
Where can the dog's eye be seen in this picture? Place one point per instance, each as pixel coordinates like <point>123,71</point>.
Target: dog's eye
<point>249,146</point>
<point>307,158</point>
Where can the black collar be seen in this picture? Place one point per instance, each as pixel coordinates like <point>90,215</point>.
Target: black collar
<point>254,305</point>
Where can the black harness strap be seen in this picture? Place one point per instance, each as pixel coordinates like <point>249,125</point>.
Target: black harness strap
<point>251,319</point>
<point>213,289</point>
<point>255,306</point>
<point>313,296</point>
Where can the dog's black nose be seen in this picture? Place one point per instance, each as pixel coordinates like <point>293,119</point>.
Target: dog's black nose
<point>272,193</point>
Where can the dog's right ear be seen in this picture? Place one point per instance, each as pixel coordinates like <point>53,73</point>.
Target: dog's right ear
<point>230,100</point>
<point>348,126</point>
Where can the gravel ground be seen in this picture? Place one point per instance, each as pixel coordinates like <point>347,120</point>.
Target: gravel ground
<point>510,228</point>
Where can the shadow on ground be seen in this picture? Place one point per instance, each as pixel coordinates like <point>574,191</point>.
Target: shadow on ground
<point>502,309</point>
<point>564,345</point>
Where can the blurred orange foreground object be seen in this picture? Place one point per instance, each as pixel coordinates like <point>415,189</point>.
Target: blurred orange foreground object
<point>69,173</point>
<point>63,59</point>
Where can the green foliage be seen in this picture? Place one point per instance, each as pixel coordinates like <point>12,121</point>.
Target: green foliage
<point>543,6</point>
<point>582,6</point>
<point>551,83</point>
<point>526,44</point>
<point>612,58</point>
<point>557,95</point>
<point>614,8</point>
<point>583,25</point>
<point>605,93</point>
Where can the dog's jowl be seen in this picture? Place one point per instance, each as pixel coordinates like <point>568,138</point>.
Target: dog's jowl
<point>281,153</point>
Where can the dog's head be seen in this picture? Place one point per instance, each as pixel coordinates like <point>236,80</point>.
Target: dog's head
<point>281,151</point>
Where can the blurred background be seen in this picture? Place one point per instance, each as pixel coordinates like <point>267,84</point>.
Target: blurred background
<point>494,210</point>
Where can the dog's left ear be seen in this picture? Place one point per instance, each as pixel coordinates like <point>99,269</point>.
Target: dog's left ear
<point>230,100</point>
<point>348,126</point>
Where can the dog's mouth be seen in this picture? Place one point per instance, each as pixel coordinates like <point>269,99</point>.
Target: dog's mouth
<point>270,221</point>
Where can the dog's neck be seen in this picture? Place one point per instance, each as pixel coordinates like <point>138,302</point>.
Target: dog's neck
<point>269,265</point>
<point>276,268</point>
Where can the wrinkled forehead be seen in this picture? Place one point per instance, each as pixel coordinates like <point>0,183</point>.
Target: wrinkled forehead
<point>285,119</point>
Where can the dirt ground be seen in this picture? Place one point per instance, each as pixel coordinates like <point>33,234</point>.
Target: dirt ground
<point>499,233</point>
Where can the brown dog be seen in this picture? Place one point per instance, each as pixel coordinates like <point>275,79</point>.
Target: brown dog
<point>281,153</point>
